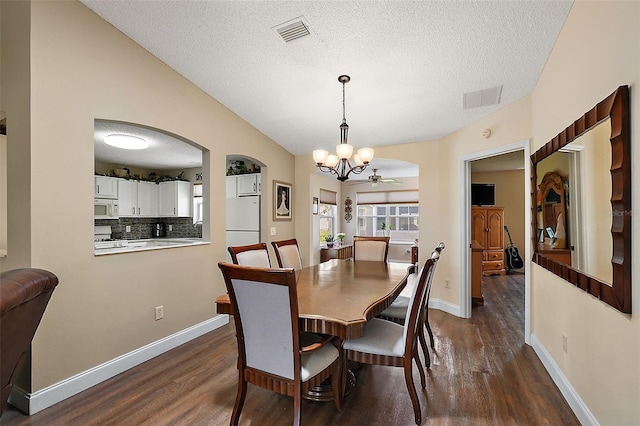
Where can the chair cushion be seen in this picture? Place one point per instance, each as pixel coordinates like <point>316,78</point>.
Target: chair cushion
<point>370,250</point>
<point>380,337</point>
<point>398,308</point>
<point>314,362</point>
<point>254,258</point>
<point>290,257</point>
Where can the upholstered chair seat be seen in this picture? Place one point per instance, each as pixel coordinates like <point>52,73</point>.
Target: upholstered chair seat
<point>391,344</point>
<point>270,346</point>
<point>399,309</point>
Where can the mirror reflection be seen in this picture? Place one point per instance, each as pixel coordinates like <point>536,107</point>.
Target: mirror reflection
<point>574,204</point>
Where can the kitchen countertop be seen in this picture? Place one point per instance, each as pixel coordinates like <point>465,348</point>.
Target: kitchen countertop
<point>150,244</point>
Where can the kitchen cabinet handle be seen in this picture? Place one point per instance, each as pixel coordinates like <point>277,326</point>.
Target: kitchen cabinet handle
<point>98,189</point>
<point>138,210</point>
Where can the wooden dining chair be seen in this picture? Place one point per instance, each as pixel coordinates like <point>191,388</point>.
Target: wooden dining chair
<point>391,344</point>
<point>397,312</point>
<point>270,354</point>
<point>288,253</point>
<point>250,255</point>
<point>370,248</point>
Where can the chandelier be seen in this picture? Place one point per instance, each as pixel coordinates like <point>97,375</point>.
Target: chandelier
<point>339,164</point>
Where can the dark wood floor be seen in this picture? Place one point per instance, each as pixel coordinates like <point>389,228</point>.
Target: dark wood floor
<point>482,374</point>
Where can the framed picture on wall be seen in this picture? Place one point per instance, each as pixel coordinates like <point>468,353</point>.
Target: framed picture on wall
<point>282,200</point>
<point>315,205</point>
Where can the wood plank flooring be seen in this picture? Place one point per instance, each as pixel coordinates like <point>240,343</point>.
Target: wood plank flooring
<point>482,374</point>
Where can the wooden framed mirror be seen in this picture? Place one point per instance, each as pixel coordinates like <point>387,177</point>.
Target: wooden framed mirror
<point>581,202</point>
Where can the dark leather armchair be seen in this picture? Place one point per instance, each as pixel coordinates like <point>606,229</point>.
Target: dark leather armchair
<point>24,295</point>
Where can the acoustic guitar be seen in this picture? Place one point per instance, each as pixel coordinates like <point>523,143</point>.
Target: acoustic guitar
<point>514,261</point>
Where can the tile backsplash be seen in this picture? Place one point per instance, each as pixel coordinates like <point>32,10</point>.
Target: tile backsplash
<point>141,228</point>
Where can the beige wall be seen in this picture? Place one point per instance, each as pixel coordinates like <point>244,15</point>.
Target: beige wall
<point>81,69</point>
<point>597,51</point>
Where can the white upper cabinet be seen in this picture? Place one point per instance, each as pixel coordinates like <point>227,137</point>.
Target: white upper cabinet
<point>148,195</point>
<point>232,191</point>
<point>175,199</point>
<point>248,184</point>
<point>138,198</point>
<point>105,187</point>
<point>127,198</point>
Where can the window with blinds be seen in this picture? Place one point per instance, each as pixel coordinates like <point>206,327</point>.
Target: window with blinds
<point>328,212</point>
<point>392,213</point>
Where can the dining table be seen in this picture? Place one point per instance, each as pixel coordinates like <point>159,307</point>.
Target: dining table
<point>339,296</point>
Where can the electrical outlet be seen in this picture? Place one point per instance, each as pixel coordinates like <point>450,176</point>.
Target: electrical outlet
<point>159,312</point>
<point>446,284</point>
<point>170,227</point>
<point>128,228</point>
<point>564,343</point>
<point>273,230</point>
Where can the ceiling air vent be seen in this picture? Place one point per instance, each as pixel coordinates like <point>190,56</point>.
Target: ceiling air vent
<point>293,30</point>
<point>482,98</point>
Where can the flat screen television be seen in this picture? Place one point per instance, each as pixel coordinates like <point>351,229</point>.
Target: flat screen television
<point>483,194</point>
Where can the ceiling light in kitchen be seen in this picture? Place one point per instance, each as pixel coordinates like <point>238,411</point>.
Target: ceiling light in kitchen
<point>126,142</point>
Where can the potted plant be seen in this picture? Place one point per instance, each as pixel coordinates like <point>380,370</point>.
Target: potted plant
<point>340,236</point>
<point>329,240</point>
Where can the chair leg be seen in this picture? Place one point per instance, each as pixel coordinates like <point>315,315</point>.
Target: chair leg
<point>336,385</point>
<point>408,378</point>
<point>297,405</point>
<point>242,393</point>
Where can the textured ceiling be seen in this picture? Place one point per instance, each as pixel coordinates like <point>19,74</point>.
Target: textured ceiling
<point>410,62</point>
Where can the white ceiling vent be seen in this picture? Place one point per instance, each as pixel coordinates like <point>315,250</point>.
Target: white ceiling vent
<point>293,30</point>
<point>482,98</point>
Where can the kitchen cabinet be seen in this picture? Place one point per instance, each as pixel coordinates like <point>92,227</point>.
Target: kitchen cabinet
<point>138,199</point>
<point>105,187</point>
<point>175,199</point>
<point>232,191</point>
<point>487,228</point>
<point>248,184</point>
<point>243,185</point>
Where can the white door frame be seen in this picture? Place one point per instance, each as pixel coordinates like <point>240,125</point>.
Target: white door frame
<point>465,227</point>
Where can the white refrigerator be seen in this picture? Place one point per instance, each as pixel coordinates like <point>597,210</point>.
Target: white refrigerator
<point>243,221</point>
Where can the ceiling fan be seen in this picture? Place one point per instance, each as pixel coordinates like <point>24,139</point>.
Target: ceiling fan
<point>375,179</point>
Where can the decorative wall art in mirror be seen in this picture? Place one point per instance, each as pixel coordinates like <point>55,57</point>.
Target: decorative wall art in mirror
<point>581,201</point>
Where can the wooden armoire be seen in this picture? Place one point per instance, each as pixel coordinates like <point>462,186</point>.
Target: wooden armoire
<point>487,228</point>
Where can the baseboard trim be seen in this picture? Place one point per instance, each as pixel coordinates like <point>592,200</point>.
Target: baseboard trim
<point>45,398</point>
<point>445,306</point>
<point>576,403</point>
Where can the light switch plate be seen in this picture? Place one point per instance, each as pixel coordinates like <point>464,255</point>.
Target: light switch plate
<point>273,230</point>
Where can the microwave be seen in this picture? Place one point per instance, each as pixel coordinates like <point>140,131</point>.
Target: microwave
<point>105,209</point>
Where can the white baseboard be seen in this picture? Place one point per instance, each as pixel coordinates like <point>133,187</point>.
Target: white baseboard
<point>445,306</point>
<point>576,403</point>
<point>45,398</point>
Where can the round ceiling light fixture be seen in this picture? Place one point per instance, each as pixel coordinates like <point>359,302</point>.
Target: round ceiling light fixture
<point>126,142</point>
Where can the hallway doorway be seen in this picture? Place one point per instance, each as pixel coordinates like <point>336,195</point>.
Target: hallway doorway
<point>483,167</point>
